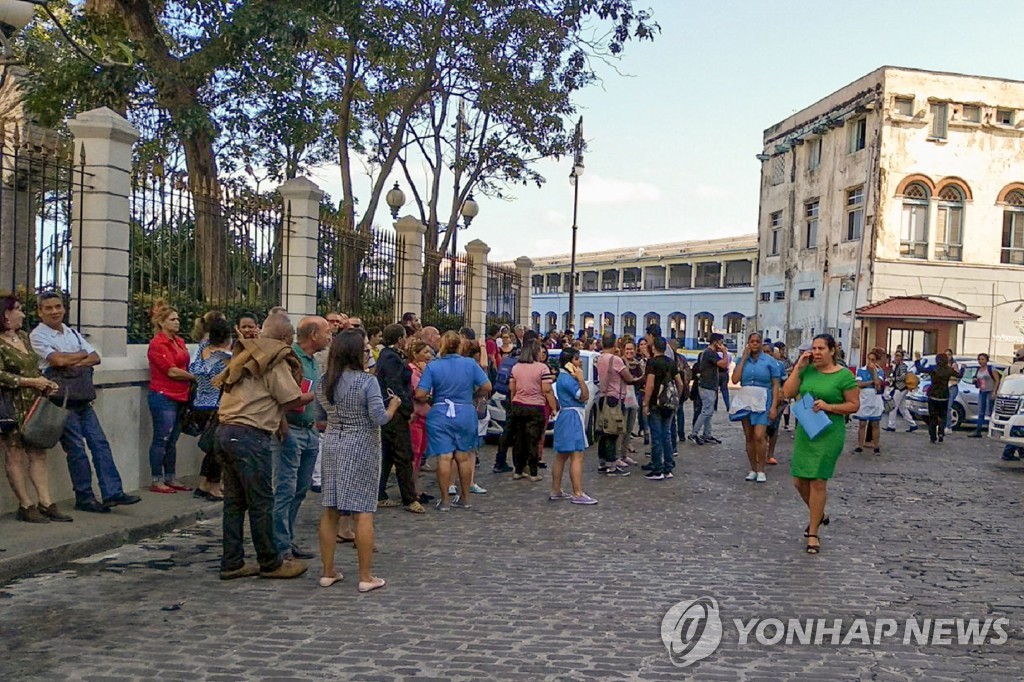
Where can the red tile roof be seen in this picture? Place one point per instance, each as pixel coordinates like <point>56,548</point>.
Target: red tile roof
<point>914,307</point>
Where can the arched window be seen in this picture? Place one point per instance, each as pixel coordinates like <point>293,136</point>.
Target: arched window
<point>651,318</point>
<point>535,320</point>
<point>629,324</point>
<point>587,321</point>
<point>676,326</point>
<point>607,322</point>
<point>705,324</point>
<point>914,232</point>
<point>552,320</point>
<point>949,223</point>
<point>1013,229</point>
<point>733,323</point>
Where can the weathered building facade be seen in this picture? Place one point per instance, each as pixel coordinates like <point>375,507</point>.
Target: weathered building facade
<point>905,185</point>
<point>690,288</point>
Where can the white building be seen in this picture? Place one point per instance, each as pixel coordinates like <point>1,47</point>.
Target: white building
<point>892,212</point>
<point>690,288</point>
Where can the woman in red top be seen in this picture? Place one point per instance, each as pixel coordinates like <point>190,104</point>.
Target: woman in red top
<point>169,384</point>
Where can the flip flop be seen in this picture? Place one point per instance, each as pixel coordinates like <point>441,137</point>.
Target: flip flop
<point>374,584</point>
<point>343,540</point>
<point>326,581</point>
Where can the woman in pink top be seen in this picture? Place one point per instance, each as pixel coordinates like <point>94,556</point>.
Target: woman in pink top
<point>529,391</point>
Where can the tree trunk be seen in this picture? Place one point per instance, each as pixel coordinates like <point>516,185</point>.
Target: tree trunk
<point>211,249</point>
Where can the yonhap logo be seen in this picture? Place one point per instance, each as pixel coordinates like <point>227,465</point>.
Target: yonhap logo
<point>691,631</point>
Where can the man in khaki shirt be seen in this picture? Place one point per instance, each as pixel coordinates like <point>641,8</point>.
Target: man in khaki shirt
<point>261,383</point>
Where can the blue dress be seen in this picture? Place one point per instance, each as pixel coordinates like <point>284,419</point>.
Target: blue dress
<point>570,434</point>
<point>759,372</point>
<point>452,422</point>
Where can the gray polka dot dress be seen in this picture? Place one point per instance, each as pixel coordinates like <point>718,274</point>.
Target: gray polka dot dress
<point>351,445</point>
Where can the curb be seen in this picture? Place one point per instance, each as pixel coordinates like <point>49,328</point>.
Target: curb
<point>53,558</point>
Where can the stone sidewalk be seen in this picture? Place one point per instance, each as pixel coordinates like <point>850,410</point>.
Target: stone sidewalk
<point>521,588</point>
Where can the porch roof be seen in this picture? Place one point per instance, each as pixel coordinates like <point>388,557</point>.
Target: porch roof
<point>914,307</point>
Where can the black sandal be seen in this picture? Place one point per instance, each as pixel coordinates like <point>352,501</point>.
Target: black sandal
<point>813,549</point>
<point>824,522</point>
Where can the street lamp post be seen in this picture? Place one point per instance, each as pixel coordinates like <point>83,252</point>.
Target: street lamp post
<point>469,210</point>
<point>574,177</point>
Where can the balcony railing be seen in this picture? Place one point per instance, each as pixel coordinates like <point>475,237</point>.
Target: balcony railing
<point>729,284</point>
<point>609,286</point>
<point>679,284</point>
<point>631,286</point>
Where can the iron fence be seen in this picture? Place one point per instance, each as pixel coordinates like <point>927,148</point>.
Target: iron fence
<point>39,176</point>
<point>445,286</point>
<point>503,286</point>
<point>359,272</point>
<point>200,246</point>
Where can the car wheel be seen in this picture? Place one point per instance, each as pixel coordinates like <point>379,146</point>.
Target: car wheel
<point>592,426</point>
<point>956,419</point>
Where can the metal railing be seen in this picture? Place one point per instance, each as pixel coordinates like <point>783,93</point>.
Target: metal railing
<point>445,286</point>
<point>503,285</point>
<point>198,246</point>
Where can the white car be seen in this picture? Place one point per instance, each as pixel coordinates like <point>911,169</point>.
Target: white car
<point>496,406</point>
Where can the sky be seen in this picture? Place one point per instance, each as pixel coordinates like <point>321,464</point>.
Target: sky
<point>671,142</point>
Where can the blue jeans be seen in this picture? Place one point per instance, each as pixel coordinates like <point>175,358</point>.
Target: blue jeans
<point>246,453</point>
<point>953,391</point>
<point>984,407</point>
<point>293,475</point>
<point>702,427</point>
<point>662,452</point>
<point>163,451</point>
<point>83,427</point>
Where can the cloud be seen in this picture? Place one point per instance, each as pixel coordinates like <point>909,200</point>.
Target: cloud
<point>595,189</point>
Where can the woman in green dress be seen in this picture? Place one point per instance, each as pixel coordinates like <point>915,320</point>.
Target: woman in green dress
<point>19,375</point>
<point>836,393</point>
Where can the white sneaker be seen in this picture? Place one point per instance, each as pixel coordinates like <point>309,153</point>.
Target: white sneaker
<point>761,478</point>
<point>477,490</point>
<point>452,490</point>
<point>752,476</point>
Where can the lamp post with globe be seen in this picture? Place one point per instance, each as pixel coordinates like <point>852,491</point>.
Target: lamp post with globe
<point>574,180</point>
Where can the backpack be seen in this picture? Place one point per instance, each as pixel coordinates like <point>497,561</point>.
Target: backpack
<point>668,396</point>
<point>504,374</point>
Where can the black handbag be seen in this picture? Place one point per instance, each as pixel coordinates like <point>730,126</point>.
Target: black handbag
<point>75,384</point>
<point>208,438</point>
<point>8,417</point>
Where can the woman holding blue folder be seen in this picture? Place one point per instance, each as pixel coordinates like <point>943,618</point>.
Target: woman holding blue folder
<point>835,393</point>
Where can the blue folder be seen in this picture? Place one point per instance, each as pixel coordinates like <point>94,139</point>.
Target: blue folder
<point>813,423</point>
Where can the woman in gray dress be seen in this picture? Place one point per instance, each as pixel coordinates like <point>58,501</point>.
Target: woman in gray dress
<point>350,467</point>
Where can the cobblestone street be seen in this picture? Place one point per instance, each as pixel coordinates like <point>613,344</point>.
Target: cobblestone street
<point>522,588</point>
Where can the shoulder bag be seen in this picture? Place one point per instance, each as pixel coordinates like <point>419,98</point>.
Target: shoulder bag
<point>44,423</point>
<point>75,382</point>
<point>8,417</point>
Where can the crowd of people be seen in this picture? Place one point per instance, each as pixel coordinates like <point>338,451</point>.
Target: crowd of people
<point>335,408</point>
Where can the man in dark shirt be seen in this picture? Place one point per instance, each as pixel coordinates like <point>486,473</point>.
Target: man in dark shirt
<point>660,404</point>
<point>395,377</point>
<point>709,364</point>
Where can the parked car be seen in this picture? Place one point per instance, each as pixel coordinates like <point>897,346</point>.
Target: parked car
<point>496,407</point>
<point>965,407</point>
<point>1007,422</point>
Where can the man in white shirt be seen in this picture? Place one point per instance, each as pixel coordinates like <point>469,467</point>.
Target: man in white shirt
<point>63,353</point>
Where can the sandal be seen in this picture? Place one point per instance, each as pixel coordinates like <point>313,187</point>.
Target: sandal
<point>342,539</point>
<point>389,503</point>
<point>824,522</point>
<point>374,584</point>
<point>327,581</point>
<point>811,549</point>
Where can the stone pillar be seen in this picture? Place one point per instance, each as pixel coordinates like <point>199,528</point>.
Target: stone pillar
<point>300,257</point>
<point>476,287</point>
<point>721,274</point>
<point>524,267</point>
<point>409,297</point>
<point>100,229</point>
<point>693,275</point>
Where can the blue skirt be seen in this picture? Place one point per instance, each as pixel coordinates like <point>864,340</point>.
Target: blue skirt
<point>569,435</point>
<point>755,418</point>
<point>449,434</point>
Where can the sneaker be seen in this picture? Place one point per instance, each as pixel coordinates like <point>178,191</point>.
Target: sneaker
<point>772,460</point>
<point>503,469</point>
<point>425,498</point>
<point>646,467</point>
<point>692,438</point>
<point>583,499</point>
<point>477,490</point>
<point>542,465</point>
<point>622,464</point>
<point>697,440</point>
<point>560,495</point>
<point>289,568</point>
<point>452,490</point>
<point>630,461</point>
<point>761,478</point>
<point>669,474</point>
<point>652,476</point>
<point>457,503</point>
<point>318,489</point>
<point>712,440</point>
<point>912,428</point>
<point>246,571</point>
<point>536,478</point>
<point>441,506</point>
<point>889,428</point>
<point>949,431</point>
<point>616,471</point>
<point>603,470</point>
<point>752,476</point>
<point>516,476</point>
